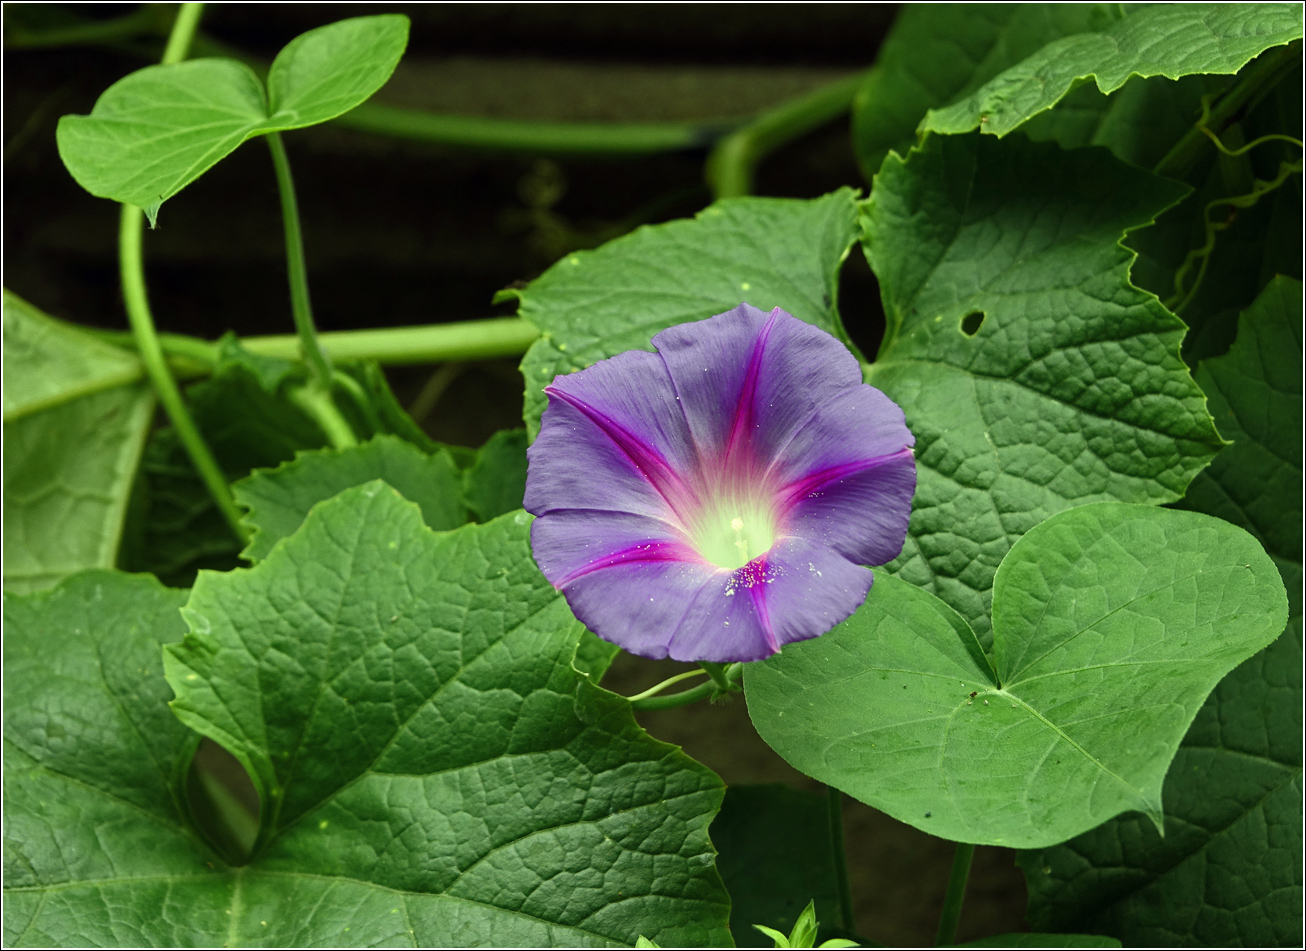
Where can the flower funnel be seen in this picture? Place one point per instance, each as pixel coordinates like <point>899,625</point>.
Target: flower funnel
<point>719,498</point>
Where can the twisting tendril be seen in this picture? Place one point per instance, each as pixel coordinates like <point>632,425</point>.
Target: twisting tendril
<point>1201,256</point>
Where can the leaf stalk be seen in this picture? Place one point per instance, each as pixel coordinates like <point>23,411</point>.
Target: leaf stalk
<point>311,349</point>
<point>834,801</point>
<point>955,895</point>
<point>146,339</point>
<point>703,691</point>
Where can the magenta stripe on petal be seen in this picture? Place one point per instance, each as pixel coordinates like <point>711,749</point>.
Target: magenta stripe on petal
<point>796,491</point>
<point>744,425</point>
<point>646,460</point>
<point>650,552</point>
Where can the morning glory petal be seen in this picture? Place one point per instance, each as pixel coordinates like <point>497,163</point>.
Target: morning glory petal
<point>640,605</point>
<point>753,377</point>
<point>570,544</point>
<point>799,591</point>
<point>861,513</point>
<point>615,440</point>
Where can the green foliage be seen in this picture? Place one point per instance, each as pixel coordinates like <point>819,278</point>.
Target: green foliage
<point>420,712</point>
<point>496,482</point>
<point>803,934</point>
<point>768,252</point>
<point>1111,624</point>
<point>279,499</point>
<point>48,363</point>
<point>432,770</point>
<point>775,856</point>
<point>1259,242</point>
<point>247,420</point>
<point>75,421</point>
<point>1170,40</point>
<point>1070,390</point>
<point>594,655</point>
<point>94,763</point>
<point>1229,868</point>
<point>937,53</point>
<point>158,129</point>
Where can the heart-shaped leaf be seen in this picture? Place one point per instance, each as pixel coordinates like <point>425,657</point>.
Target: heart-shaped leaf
<point>1111,624</point>
<point>158,129</point>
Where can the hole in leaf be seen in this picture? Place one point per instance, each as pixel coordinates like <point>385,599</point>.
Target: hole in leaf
<point>971,323</point>
<point>860,306</point>
<point>223,801</point>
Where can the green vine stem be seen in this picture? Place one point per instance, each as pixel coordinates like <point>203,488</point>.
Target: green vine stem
<point>318,364</point>
<point>131,263</point>
<point>834,801</point>
<point>392,346</point>
<point>956,894</point>
<point>657,689</point>
<point>732,162</point>
<point>1258,79</point>
<point>685,697</point>
<point>512,135</point>
<point>315,398</point>
<point>399,346</point>
<point>151,18</point>
<point>316,402</point>
<point>358,397</point>
<point>718,674</point>
<point>132,266</point>
<point>535,138</point>
<point>182,33</point>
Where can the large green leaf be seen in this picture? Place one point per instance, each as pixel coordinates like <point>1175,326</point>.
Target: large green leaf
<point>1111,624</point>
<point>432,770</point>
<point>1139,122</point>
<point>1069,390</point>
<point>769,252</point>
<point>279,499</point>
<point>938,52</point>
<point>47,363</point>
<point>75,424</point>
<point>158,129</point>
<point>1229,868</point>
<point>1171,40</point>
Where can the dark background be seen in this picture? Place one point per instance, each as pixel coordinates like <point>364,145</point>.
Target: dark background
<point>399,233</point>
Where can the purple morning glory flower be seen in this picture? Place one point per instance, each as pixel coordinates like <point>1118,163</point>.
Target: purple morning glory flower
<point>718,499</point>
